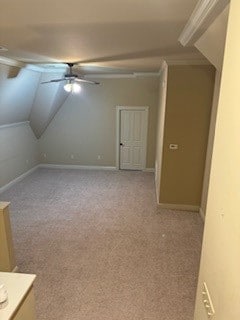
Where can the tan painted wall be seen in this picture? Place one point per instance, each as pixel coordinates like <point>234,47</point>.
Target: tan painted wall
<point>18,152</point>
<point>188,110</point>
<point>221,254</point>
<point>85,126</point>
<point>160,125</point>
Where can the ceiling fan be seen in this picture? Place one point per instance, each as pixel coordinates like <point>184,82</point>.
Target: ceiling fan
<point>72,80</point>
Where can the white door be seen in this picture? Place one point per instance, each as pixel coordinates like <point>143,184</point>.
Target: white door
<point>133,139</point>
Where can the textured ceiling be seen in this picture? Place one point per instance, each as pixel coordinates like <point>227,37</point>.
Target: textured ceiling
<point>127,34</point>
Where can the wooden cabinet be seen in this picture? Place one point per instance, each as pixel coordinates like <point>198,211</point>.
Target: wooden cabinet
<point>7,258</point>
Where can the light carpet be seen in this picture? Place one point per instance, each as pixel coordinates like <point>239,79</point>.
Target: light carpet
<point>101,247</point>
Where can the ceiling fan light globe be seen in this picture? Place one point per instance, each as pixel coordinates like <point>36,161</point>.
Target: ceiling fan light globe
<point>72,87</point>
<point>68,87</point>
<point>76,88</point>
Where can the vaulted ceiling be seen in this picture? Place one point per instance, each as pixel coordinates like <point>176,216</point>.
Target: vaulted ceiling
<point>126,34</point>
<point>106,36</point>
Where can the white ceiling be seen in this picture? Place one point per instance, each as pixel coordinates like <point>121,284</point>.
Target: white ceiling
<point>99,34</point>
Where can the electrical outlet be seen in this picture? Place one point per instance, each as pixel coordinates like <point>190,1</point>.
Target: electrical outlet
<point>173,146</point>
<point>72,156</point>
<point>44,155</point>
<point>207,301</point>
<point>99,157</point>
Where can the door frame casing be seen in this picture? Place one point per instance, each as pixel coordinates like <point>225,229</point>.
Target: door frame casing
<point>130,108</point>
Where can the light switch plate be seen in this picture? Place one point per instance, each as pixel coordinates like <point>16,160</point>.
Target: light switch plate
<point>207,301</point>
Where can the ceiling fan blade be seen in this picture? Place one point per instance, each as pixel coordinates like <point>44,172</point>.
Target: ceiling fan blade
<point>86,81</point>
<point>54,80</point>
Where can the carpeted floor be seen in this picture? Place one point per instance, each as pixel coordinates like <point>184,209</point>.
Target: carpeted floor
<point>102,249</point>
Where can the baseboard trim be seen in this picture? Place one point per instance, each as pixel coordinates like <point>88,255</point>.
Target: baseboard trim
<point>183,207</point>
<point>75,166</point>
<point>15,270</point>
<point>18,179</point>
<point>202,215</point>
<point>149,170</point>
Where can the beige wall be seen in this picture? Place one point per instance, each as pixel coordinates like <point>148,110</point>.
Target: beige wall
<point>212,42</point>
<point>160,125</point>
<point>16,93</point>
<point>221,254</point>
<point>49,98</point>
<point>85,126</point>
<point>210,144</point>
<point>187,117</point>
<point>18,151</point>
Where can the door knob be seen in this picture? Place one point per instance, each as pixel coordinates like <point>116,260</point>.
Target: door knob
<point>121,144</point>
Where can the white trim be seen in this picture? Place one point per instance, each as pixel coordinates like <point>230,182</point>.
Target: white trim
<point>202,214</point>
<point>185,62</point>
<point>122,75</point>
<point>41,69</point>
<point>15,270</point>
<point>53,67</point>
<point>75,166</point>
<point>184,207</point>
<point>146,74</point>
<point>164,84</point>
<point>18,179</point>
<point>109,76</point>
<point>149,170</point>
<point>15,124</point>
<point>118,109</point>
<point>157,191</point>
<point>203,15</point>
<point>33,67</point>
<point>11,62</point>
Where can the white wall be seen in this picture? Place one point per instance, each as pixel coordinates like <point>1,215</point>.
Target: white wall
<point>220,259</point>
<point>85,126</point>
<point>18,151</point>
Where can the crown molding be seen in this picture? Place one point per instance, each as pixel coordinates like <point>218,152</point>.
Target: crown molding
<point>11,62</point>
<point>15,124</point>
<point>188,62</point>
<point>109,76</point>
<point>146,74</point>
<point>32,67</point>
<point>49,69</point>
<point>122,75</point>
<point>203,15</point>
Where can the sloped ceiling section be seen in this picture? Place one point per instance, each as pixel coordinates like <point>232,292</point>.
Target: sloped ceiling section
<point>48,100</point>
<point>16,93</point>
<point>24,98</point>
<point>212,42</point>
